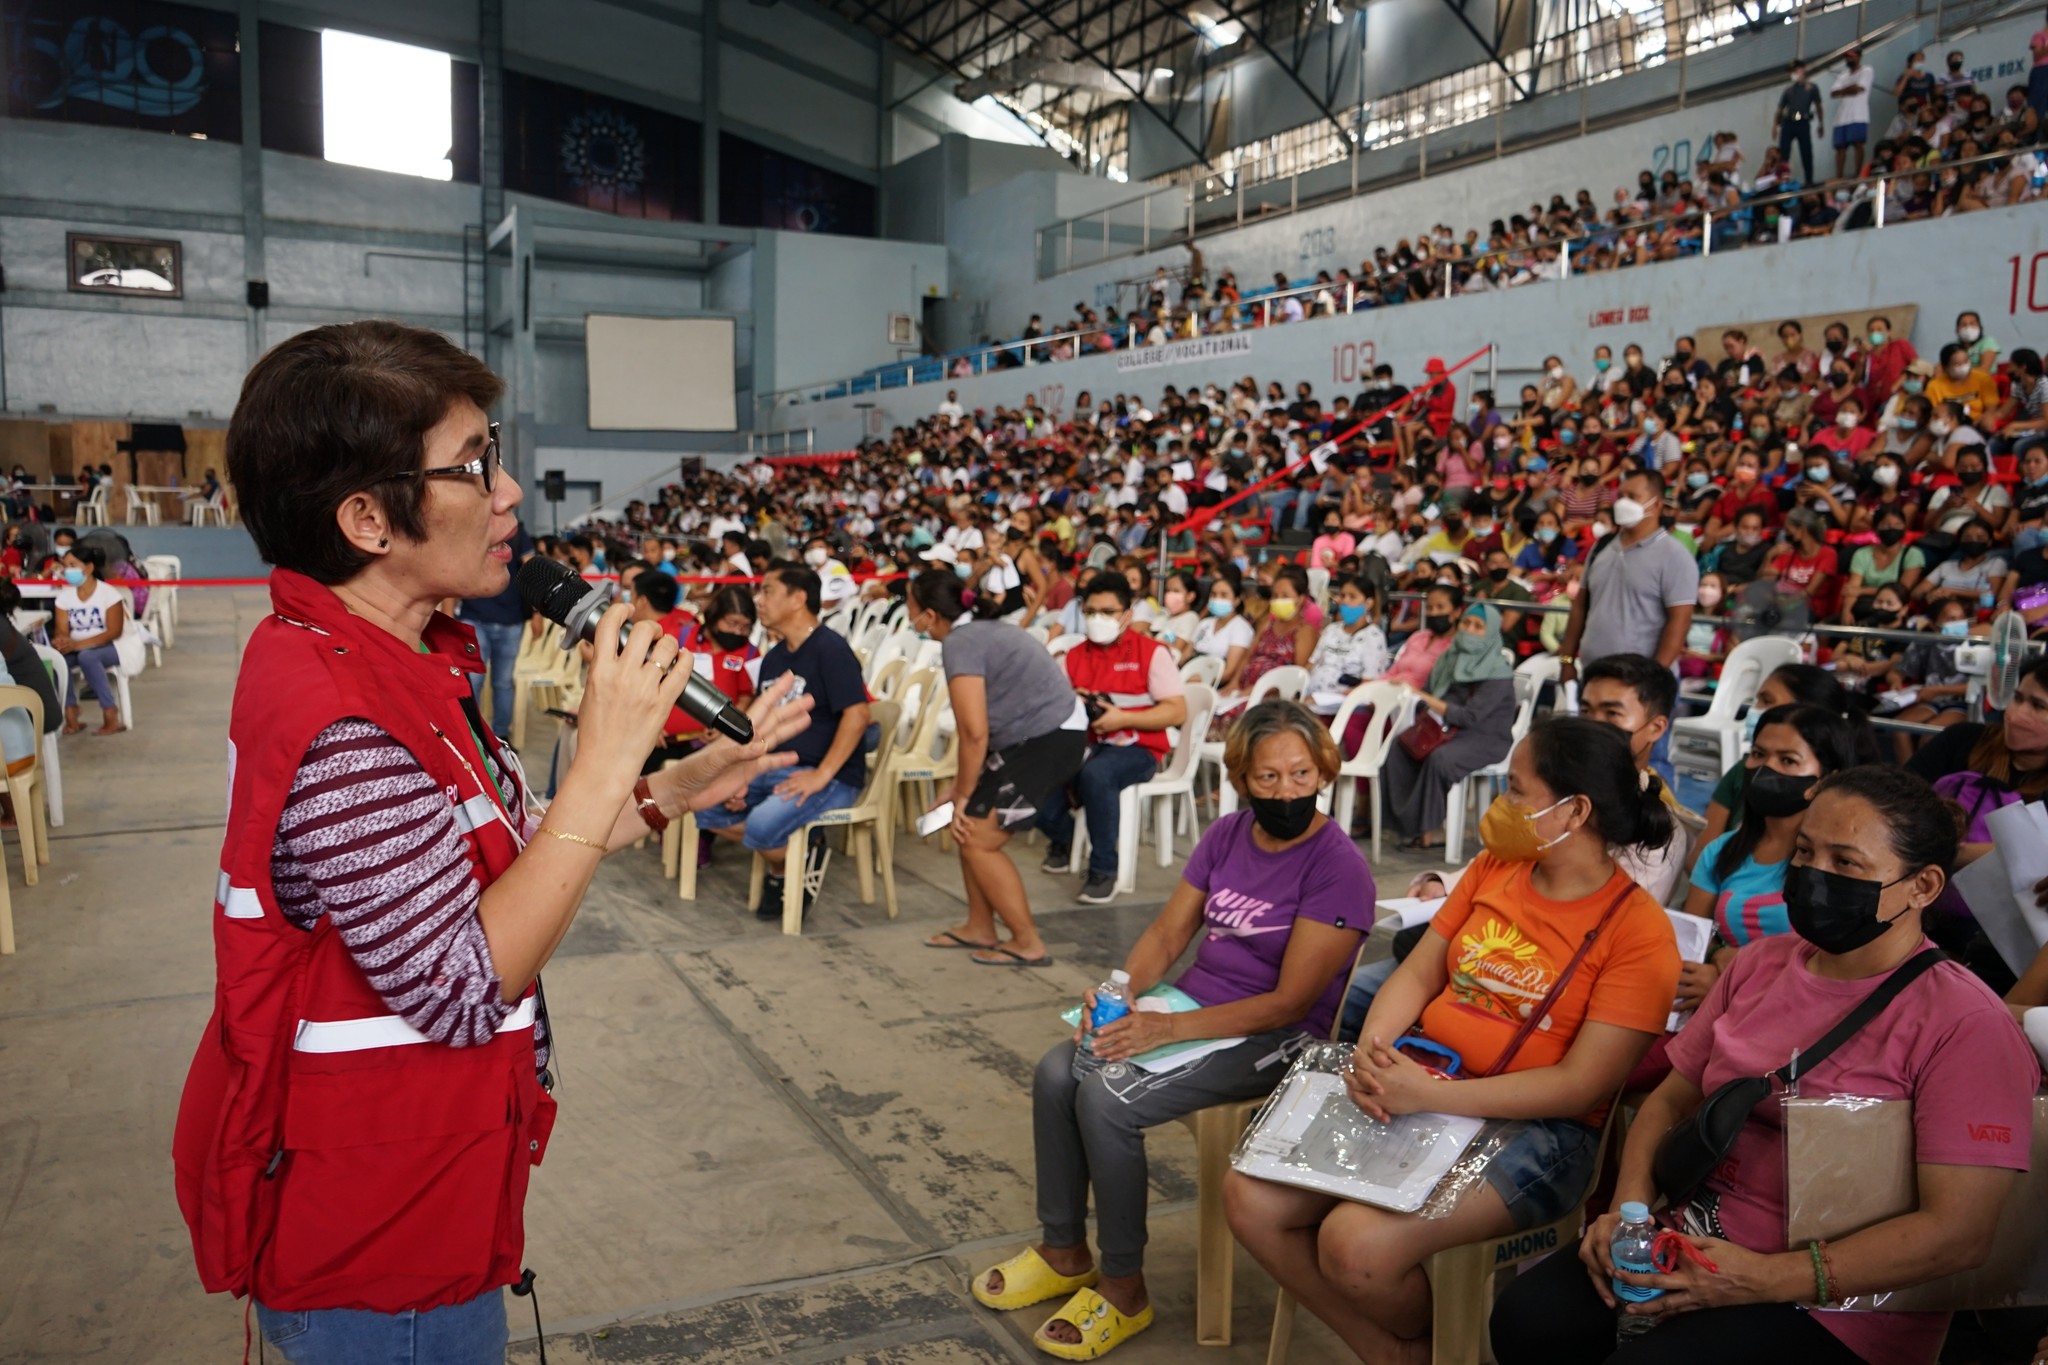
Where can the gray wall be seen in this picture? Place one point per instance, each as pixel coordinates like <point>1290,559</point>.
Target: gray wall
<point>1943,266</point>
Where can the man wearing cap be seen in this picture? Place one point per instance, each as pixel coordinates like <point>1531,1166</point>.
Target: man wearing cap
<point>1851,93</point>
<point>1432,413</point>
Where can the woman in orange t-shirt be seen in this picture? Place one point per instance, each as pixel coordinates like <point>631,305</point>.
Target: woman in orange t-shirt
<point>1544,888</point>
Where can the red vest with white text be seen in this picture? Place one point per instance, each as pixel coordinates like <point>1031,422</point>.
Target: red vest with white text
<point>328,1155</point>
<point>1123,671</point>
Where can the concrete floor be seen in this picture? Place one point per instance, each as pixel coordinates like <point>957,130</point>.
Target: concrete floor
<point>769,1148</point>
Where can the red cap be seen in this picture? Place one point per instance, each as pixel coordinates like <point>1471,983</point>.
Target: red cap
<point>1435,365</point>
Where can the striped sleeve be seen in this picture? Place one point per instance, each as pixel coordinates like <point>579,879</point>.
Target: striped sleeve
<point>368,839</point>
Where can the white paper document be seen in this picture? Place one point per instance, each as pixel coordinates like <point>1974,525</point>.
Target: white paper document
<point>1405,912</point>
<point>1314,1137</point>
<point>1695,935</point>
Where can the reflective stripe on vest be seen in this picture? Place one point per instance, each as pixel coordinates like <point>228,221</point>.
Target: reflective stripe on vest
<point>386,1030</point>
<point>237,902</point>
<point>473,814</point>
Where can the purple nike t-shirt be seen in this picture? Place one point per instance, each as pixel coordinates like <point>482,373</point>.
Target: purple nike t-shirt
<point>1254,898</point>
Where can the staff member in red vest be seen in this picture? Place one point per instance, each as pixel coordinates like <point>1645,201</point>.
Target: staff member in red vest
<point>1135,694</point>
<point>356,1132</point>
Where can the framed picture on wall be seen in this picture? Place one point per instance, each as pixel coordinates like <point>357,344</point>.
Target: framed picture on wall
<point>144,267</point>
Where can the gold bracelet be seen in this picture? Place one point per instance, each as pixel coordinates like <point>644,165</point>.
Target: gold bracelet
<point>569,838</point>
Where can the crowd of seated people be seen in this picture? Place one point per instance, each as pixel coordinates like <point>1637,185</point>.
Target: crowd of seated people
<point>1847,481</point>
<point>1953,147</point>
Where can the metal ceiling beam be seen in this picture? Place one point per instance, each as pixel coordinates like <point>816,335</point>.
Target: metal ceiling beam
<point>869,10</point>
<point>1489,47</point>
<point>1253,29</point>
<point>1137,95</point>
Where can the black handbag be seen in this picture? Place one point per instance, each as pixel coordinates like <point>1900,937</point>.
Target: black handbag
<point>1691,1151</point>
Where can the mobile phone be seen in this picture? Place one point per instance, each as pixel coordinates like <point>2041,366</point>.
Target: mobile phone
<point>567,716</point>
<point>934,820</point>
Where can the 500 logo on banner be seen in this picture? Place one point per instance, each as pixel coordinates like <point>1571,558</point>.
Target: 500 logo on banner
<point>1180,352</point>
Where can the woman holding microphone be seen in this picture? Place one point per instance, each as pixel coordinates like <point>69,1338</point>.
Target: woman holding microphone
<point>355,1136</point>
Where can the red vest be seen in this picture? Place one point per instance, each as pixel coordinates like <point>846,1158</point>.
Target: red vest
<point>329,1156</point>
<point>1123,671</point>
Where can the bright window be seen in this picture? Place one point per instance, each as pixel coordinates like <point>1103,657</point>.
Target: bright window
<point>386,105</point>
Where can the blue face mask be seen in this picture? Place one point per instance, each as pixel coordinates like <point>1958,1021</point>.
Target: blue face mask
<point>1602,365</point>
<point>1650,426</point>
<point>1817,474</point>
<point>74,577</point>
<point>1568,437</point>
<point>1546,534</point>
<point>1219,607</point>
<point>1909,424</point>
<point>1351,613</point>
<point>1696,479</point>
<point>964,570</point>
<point>1955,628</point>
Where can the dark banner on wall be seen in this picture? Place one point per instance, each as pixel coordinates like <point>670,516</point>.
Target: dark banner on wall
<point>601,153</point>
<point>124,63</point>
<point>760,188</point>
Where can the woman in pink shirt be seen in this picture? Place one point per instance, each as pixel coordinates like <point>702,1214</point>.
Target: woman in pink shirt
<point>1421,650</point>
<point>1870,859</point>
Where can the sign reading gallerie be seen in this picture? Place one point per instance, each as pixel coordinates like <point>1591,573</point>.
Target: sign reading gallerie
<point>1181,352</point>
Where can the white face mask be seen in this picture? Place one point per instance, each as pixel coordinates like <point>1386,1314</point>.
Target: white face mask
<point>1628,512</point>
<point>1846,421</point>
<point>1941,426</point>
<point>1102,630</point>
<point>815,558</point>
<point>1967,334</point>
<point>1886,476</point>
<point>1556,371</point>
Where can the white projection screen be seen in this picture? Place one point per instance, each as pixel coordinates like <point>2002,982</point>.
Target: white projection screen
<point>659,374</point>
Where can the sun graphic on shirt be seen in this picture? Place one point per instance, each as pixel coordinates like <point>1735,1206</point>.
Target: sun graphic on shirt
<point>1500,971</point>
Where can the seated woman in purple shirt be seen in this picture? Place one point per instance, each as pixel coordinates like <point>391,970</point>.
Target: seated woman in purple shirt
<point>1280,897</point>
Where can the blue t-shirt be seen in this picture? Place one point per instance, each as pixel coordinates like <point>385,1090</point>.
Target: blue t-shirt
<point>832,677</point>
<point>1749,903</point>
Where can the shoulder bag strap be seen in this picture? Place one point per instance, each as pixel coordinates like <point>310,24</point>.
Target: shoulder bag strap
<point>1872,1006</point>
<point>1550,997</point>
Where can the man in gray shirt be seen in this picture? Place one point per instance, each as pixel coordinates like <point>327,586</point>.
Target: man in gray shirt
<point>1637,593</point>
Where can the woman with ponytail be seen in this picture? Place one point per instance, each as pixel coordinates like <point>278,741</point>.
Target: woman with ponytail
<point>1023,731</point>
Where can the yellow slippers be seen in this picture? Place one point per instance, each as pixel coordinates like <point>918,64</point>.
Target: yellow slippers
<point>1027,1279</point>
<point>1102,1328</point>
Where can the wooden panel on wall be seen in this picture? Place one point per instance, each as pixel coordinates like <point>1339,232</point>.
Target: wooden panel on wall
<point>27,444</point>
<point>205,448</point>
<point>92,443</point>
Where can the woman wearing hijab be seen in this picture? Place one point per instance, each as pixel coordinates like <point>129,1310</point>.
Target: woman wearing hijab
<point>1471,696</point>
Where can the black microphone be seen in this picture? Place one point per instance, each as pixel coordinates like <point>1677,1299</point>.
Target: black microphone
<point>557,592</point>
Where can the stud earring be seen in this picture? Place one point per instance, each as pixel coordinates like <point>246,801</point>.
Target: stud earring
<point>383,542</point>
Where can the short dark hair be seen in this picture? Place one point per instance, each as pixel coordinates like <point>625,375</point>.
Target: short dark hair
<point>1656,479</point>
<point>336,411</point>
<point>1114,584</point>
<point>657,590</point>
<point>1653,684</point>
<point>1579,757</point>
<point>797,577</point>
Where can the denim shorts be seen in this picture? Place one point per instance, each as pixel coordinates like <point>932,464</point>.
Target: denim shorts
<point>771,819</point>
<point>471,1333</point>
<point>1541,1168</point>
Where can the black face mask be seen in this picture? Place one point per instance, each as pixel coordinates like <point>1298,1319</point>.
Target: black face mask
<point>1497,575</point>
<point>1589,479</point>
<point>1836,346</point>
<point>1436,623</point>
<point>1834,913</point>
<point>1838,378</point>
<point>1772,793</point>
<point>1890,535</point>
<point>1970,477</point>
<point>729,640</point>
<point>1284,818</point>
<point>1972,548</point>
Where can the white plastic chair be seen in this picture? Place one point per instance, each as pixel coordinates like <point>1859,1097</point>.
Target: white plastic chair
<point>1205,669</point>
<point>31,822</point>
<point>1529,680</point>
<point>142,510</point>
<point>215,507</point>
<point>93,510</point>
<point>1742,674</point>
<point>1319,587</point>
<point>1392,706</point>
<point>164,567</point>
<point>1059,646</point>
<point>1172,792</point>
<point>1288,681</point>
<point>869,840</point>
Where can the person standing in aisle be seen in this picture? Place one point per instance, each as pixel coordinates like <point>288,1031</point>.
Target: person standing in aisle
<point>498,621</point>
<point>1021,743</point>
<point>1798,120</point>
<point>1637,594</point>
<point>1851,93</point>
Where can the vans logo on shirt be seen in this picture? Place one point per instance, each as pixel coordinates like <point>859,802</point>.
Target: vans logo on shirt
<point>1991,1132</point>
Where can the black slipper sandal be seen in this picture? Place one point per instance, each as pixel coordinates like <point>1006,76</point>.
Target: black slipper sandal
<point>1016,959</point>
<point>959,942</point>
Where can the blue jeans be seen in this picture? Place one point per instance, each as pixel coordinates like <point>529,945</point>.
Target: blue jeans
<point>1103,776</point>
<point>771,819</point>
<point>1359,995</point>
<point>471,1333</point>
<point>94,663</point>
<point>1290,506</point>
<point>500,645</point>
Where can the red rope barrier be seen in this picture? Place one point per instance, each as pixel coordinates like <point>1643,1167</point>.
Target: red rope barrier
<point>1202,516</point>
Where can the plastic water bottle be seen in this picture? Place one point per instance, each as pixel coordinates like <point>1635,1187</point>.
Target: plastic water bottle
<point>1112,1002</point>
<point>1630,1251</point>
<point>2040,176</point>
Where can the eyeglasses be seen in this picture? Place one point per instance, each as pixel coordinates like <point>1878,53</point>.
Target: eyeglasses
<point>486,465</point>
